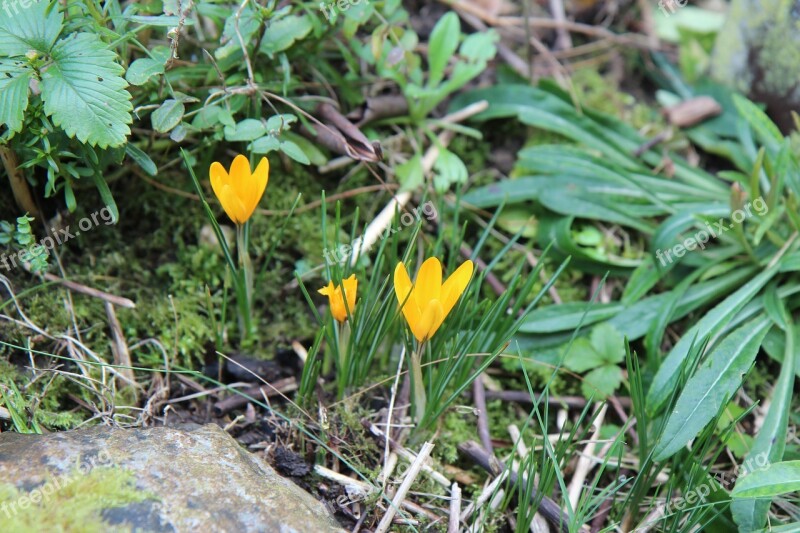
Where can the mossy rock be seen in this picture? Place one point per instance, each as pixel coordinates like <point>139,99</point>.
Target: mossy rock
<point>158,479</point>
<point>758,52</point>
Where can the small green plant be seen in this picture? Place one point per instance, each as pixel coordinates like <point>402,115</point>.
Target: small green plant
<point>599,355</point>
<point>63,99</point>
<point>30,252</point>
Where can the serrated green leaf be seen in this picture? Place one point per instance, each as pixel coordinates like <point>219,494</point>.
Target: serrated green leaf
<point>601,382</point>
<point>608,343</point>
<point>582,356</point>
<point>14,79</point>
<point>715,382</point>
<point>84,93</point>
<point>168,115</point>
<point>281,34</point>
<point>23,29</point>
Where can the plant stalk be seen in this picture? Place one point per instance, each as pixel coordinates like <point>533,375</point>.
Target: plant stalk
<point>244,281</point>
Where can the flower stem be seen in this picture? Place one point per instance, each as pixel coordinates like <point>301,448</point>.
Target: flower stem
<point>417,384</point>
<point>244,293</point>
<point>343,373</point>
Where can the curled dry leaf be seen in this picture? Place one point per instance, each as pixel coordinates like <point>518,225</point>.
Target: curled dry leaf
<point>693,111</point>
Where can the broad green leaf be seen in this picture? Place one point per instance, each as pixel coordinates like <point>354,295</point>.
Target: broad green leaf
<point>84,93</point>
<point>568,316</point>
<point>14,79</point>
<point>248,129</point>
<point>449,170</point>
<point>771,481</point>
<point>601,382</point>
<point>23,29</point>
<point>168,115</point>
<point>666,378</point>
<point>609,343</point>
<point>715,382</point>
<point>141,70</point>
<point>141,159</point>
<point>442,45</point>
<point>208,118</point>
<point>479,46</point>
<point>410,174</point>
<point>309,148</point>
<point>249,22</point>
<point>265,145</point>
<point>292,150</point>
<point>770,441</point>
<point>278,123</point>
<point>582,356</point>
<point>281,34</point>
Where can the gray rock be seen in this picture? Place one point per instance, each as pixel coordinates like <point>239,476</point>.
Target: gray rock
<point>158,479</point>
<point>758,52</point>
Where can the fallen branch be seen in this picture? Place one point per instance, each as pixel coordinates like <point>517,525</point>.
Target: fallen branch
<point>241,398</point>
<point>400,496</point>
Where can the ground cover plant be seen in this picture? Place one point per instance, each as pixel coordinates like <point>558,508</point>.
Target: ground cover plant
<point>477,266</point>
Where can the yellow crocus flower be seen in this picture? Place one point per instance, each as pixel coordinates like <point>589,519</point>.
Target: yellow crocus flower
<point>349,287</point>
<point>428,301</point>
<point>239,190</point>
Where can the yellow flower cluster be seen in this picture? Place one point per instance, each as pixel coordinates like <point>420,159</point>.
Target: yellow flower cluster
<point>425,303</point>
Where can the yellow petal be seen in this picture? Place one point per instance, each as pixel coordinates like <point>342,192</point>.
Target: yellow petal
<point>240,173</point>
<point>405,297</point>
<point>326,290</point>
<point>218,176</point>
<point>232,205</point>
<point>337,305</point>
<point>259,181</point>
<point>455,286</point>
<point>432,318</point>
<point>428,285</point>
<point>350,288</point>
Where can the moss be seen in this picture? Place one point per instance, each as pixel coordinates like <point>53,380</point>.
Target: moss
<point>602,93</point>
<point>69,503</point>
